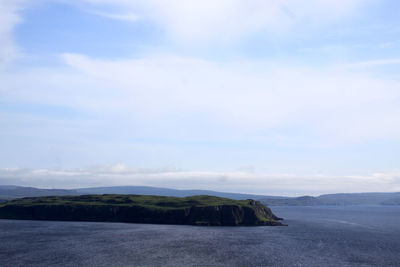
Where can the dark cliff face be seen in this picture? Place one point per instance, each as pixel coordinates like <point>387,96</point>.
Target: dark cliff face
<point>250,213</point>
<point>231,215</point>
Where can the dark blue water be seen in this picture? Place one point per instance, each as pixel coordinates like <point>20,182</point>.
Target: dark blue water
<point>316,236</point>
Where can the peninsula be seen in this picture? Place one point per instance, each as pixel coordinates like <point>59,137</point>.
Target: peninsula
<point>194,210</point>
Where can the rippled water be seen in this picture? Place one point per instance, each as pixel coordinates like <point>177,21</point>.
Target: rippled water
<point>316,236</point>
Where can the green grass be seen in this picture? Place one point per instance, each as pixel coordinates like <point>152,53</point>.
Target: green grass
<point>159,202</point>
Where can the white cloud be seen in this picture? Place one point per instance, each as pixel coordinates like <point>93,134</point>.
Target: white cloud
<point>374,63</point>
<point>342,105</point>
<point>269,184</point>
<point>9,18</point>
<point>178,97</point>
<point>241,98</point>
<point>120,168</point>
<point>210,20</point>
<point>118,16</point>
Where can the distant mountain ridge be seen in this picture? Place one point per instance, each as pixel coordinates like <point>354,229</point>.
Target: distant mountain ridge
<point>12,191</point>
<point>339,199</point>
<point>148,190</point>
<point>8,192</point>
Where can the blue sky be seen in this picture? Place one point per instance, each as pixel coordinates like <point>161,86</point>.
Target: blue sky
<point>277,97</point>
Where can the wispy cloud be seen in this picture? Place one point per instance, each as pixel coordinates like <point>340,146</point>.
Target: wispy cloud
<point>118,16</point>
<point>9,18</point>
<point>246,97</point>
<point>373,63</point>
<point>252,96</point>
<point>186,104</point>
<point>223,20</point>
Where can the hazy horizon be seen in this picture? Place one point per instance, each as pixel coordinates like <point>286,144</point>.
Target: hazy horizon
<point>169,177</point>
<point>260,97</point>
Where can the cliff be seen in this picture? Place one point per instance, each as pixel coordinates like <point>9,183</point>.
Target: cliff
<point>196,210</point>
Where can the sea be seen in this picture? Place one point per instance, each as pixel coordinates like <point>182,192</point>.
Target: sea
<point>315,236</point>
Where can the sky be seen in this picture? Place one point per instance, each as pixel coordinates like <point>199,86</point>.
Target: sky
<point>278,97</point>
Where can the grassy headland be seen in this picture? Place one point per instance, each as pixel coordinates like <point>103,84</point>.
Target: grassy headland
<point>195,210</point>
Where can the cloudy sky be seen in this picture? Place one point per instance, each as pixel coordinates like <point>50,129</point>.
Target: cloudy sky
<point>263,96</point>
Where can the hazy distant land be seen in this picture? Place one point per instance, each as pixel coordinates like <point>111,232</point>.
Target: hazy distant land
<point>11,192</point>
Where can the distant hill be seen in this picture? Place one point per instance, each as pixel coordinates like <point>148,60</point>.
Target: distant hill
<point>337,199</point>
<point>12,191</point>
<point>8,192</point>
<point>148,190</point>
<point>293,201</point>
<point>358,199</point>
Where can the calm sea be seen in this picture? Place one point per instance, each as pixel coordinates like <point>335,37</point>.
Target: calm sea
<point>316,236</point>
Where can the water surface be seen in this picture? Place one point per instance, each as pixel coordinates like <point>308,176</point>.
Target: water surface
<point>316,236</point>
